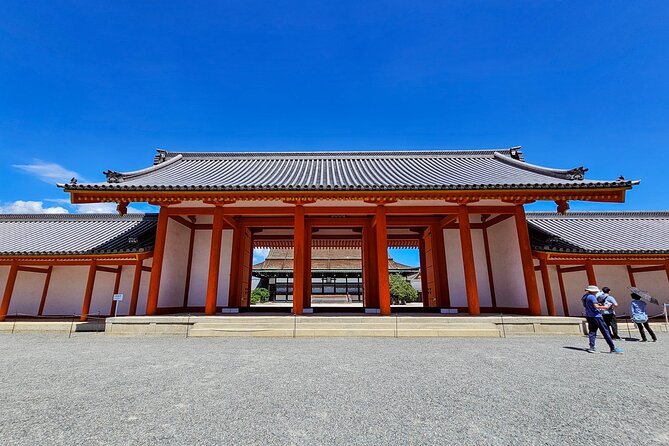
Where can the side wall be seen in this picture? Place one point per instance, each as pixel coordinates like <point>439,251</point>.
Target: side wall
<point>507,266</point>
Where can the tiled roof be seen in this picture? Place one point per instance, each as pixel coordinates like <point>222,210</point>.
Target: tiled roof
<point>600,232</point>
<point>76,234</point>
<point>326,259</point>
<point>346,171</point>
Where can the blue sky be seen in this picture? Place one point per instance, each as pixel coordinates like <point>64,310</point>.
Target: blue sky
<point>87,86</point>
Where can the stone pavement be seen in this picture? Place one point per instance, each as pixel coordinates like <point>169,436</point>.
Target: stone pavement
<point>98,389</point>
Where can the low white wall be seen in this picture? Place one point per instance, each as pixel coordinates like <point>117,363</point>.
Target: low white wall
<point>175,262</point>
<point>66,290</point>
<point>197,291</point>
<point>455,268</point>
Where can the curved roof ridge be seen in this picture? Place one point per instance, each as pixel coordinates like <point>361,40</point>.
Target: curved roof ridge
<point>577,173</point>
<point>119,177</point>
<point>168,155</point>
<point>596,214</point>
<point>63,216</point>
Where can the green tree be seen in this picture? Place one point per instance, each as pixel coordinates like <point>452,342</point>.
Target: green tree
<point>259,295</point>
<point>401,291</point>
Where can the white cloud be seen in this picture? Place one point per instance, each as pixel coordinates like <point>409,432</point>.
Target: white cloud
<point>37,207</point>
<point>30,207</point>
<point>259,254</point>
<point>101,208</point>
<point>48,172</point>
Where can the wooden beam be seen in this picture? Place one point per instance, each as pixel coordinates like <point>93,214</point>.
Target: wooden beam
<point>590,271</point>
<point>9,289</point>
<point>563,292</point>
<point>383,277</point>
<point>473,306</point>
<point>45,290</point>
<point>447,220</point>
<point>548,291</point>
<point>630,273</point>
<point>214,262</point>
<point>136,282</point>
<point>88,294</point>
<point>157,264</point>
<point>117,284</point>
<point>182,221</point>
<point>572,269</point>
<point>488,262</point>
<point>189,265</point>
<point>29,269</point>
<point>528,264</point>
<point>106,269</point>
<point>648,269</point>
<point>498,219</point>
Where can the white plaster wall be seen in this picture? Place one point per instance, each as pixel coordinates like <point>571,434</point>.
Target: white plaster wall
<point>507,267</point>
<point>144,289</point>
<point>200,268</point>
<point>481,266</point>
<point>175,261</point>
<point>574,285</point>
<point>27,293</point>
<point>555,287</point>
<point>455,269</point>
<point>66,290</point>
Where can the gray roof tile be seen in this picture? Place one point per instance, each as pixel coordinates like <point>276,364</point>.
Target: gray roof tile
<point>600,232</point>
<point>295,171</point>
<point>75,234</point>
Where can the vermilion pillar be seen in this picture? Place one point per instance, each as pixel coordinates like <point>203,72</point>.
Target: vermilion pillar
<point>157,264</point>
<point>423,272</point>
<point>9,289</point>
<point>548,292</point>
<point>307,267</point>
<point>88,294</point>
<point>468,261</point>
<point>369,270</point>
<point>528,264</point>
<point>383,277</point>
<point>136,281</point>
<point>299,246</point>
<point>45,290</point>
<point>214,261</point>
<point>563,292</point>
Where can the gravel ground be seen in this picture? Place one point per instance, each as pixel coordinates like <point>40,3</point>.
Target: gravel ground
<point>98,389</point>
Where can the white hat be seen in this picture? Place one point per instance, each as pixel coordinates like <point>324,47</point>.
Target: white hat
<point>592,289</point>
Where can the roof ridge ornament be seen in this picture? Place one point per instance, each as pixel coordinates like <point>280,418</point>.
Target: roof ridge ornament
<point>160,157</point>
<point>113,176</point>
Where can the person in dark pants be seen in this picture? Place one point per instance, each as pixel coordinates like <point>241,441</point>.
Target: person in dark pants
<point>609,314</point>
<point>640,317</point>
<point>595,320</point>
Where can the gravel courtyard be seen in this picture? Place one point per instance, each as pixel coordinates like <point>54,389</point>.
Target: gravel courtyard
<point>98,389</point>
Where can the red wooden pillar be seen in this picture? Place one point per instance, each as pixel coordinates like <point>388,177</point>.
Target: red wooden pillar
<point>189,266</point>
<point>136,281</point>
<point>236,266</point>
<point>590,271</point>
<point>563,292</point>
<point>9,289</point>
<point>369,269</point>
<point>45,290</point>
<point>423,272</point>
<point>488,262</point>
<point>529,275</point>
<point>383,276</point>
<point>214,261</point>
<point>299,246</point>
<point>630,273</point>
<point>468,261</point>
<point>157,264</point>
<point>548,291</point>
<point>88,294</point>
<point>439,265</point>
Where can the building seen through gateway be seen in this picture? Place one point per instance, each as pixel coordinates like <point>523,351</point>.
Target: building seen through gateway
<point>329,219</point>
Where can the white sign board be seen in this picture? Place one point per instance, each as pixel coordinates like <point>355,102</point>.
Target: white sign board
<point>118,297</point>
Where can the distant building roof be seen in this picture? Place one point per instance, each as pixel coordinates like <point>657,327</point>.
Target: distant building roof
<point>600,232</point>
<point>345,171</point>
<point>76,234</point>
<point>322,259</point>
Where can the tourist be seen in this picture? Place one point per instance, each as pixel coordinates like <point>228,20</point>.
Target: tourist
<point>609,313</point>
<point>640,317</point>
<point>595,320</point>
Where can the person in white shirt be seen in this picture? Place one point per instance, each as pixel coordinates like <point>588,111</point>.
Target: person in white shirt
<point>609,314</point>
